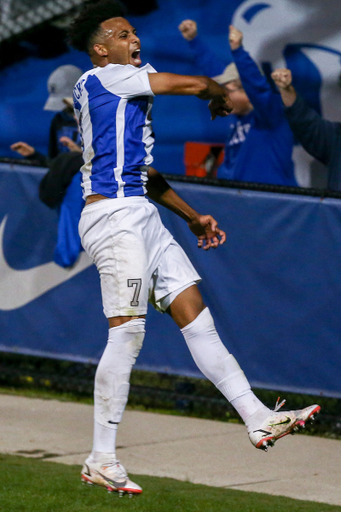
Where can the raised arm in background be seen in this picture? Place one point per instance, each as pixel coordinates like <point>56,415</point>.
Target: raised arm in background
<point>318,136</point>
<point>266,103</point>
<point>206,61</point>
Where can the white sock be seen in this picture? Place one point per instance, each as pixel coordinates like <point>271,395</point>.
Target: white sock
<point>219,366</point>
<point>101,457</point>
<point>248,405</point>
<point>104,438</point>
<point>112,384</point>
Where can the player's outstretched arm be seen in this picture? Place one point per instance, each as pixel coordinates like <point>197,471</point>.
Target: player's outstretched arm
<point>201,86</point>
<point>204,227</point>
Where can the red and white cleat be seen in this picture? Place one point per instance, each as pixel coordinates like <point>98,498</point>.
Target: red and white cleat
<point>110,475</point>
<point>280,424</point>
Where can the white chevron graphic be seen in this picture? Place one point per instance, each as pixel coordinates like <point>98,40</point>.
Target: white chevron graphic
<point>19,287</point>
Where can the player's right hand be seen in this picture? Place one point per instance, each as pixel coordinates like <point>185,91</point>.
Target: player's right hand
<point>282,78</point>
<point>22,148</point>
<point>188,29</point>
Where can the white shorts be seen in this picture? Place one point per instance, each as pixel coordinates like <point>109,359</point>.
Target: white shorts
<point>136,256</point>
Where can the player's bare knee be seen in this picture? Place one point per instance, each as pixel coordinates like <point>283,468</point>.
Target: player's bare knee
<point>187,306</point>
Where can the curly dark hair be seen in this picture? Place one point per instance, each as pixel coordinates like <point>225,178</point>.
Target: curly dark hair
<point>87,23</point>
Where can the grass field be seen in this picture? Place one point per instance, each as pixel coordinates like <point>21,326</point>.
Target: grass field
<point>31,485</point>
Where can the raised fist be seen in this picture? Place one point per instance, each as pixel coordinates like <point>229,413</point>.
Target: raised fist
<point>235,37</point>
<point>188,29</point>
<point>282,78</point>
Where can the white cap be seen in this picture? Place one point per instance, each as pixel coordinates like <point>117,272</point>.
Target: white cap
<point>229,74</point>
<point>60,85</point>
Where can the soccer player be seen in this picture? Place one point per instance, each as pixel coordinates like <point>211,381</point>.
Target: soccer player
<point>136,256</point>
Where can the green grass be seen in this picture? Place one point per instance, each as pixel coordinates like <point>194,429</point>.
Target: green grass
<point>31,485</point>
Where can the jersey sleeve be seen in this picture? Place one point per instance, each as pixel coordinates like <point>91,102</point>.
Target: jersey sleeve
<point>126,81</point>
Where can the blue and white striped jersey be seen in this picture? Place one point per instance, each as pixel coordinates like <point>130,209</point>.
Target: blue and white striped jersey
<point>113,107</point>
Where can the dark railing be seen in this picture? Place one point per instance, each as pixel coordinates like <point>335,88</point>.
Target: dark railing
<point>241,185</point>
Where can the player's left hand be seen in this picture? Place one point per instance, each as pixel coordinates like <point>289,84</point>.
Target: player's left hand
<point>205,228</point>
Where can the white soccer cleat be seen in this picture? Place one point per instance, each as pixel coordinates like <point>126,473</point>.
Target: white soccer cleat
<point>110,475</point>
<point>280,424</point>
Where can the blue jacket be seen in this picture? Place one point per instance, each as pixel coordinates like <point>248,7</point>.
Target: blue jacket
<point>320,138</point>
<point>259,145</point>
<point>68,242</point>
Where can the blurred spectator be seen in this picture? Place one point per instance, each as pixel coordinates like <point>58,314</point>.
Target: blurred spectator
<point>61,186</point>
<point>259,140</point>
<point>320,138</point>
<point>64,134</point>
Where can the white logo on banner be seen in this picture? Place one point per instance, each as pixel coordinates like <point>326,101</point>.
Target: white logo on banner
<point>304,35</point>
<point>19,287</point>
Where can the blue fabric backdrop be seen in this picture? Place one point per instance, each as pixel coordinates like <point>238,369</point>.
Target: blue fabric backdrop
<point>23,86</point>
<point>273,288</point>
<point>276,34</point>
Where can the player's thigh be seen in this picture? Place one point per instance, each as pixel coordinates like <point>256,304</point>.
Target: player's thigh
<point>175,273</point>
<point>119,253</point>
<point>186,306</point>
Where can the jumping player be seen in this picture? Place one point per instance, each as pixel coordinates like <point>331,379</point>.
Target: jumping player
<point>137,258</point>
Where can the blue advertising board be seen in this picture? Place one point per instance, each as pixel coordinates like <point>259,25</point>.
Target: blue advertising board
<point>273,288</point>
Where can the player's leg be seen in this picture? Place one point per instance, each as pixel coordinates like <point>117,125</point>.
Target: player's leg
<point>110,396</point>
<point>218,365</point>
<point>177,294</point>
<point>210,354</point>
<point>120,259</point>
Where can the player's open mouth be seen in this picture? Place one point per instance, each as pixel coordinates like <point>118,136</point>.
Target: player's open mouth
<point>136,57</point>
